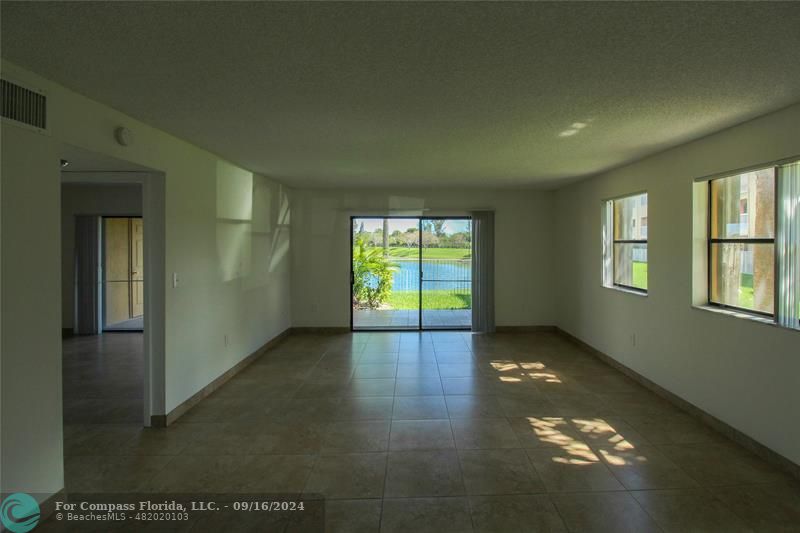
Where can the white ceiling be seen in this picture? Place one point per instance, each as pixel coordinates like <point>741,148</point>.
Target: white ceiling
<point>391,94</point>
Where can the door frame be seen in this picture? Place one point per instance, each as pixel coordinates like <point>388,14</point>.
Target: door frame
<point>419,219</point>
<point>153,216</point>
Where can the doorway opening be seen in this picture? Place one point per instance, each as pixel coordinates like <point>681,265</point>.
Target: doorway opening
<point>113,291</point>
<point>410,273</point>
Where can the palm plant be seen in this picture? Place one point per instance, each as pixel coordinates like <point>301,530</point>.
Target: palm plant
<point>372,275</point>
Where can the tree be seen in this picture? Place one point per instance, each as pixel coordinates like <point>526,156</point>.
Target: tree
<point>763,189</point>
<point>438,227</point>
<point>385,233</point>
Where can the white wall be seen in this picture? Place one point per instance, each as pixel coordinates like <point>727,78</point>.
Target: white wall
<point>80,199</point>
<point>744,373</point>
<point>227,236</point>
<point>30,315</point>
<point>321,247</point>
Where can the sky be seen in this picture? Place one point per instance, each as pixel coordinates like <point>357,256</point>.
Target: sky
<point>402,224</point>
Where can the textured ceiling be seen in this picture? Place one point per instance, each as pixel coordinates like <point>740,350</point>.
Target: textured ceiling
<point>389,94</point>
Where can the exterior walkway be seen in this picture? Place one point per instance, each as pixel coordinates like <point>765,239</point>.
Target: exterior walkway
<point>409,318</point>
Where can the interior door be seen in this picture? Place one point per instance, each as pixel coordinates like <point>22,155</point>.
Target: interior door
<point>116,270</point>
<point>137,267</point>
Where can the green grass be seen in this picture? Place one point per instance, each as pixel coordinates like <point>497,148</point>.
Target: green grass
<point>402,252</point>
<point>430,300</point>
<point>640,275</point>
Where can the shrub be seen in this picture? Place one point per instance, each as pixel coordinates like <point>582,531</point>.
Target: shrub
<point>372,275</point>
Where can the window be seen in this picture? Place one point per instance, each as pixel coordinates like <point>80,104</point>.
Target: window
<point>625,250</point>
<point>753,242</point>
<point>741,241</point>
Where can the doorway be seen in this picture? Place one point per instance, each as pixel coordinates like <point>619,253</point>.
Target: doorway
<point>122,267</point>
<point>410,273</point>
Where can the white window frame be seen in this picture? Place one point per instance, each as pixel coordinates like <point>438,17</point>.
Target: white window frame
<point>609,241</point>
<point>787,245</point>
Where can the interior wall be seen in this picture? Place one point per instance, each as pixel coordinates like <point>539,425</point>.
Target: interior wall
<point>84,199</point>
<point>30,315</point>
<point>321,247</point>
<point>742,372</point>
<point>227,238</point>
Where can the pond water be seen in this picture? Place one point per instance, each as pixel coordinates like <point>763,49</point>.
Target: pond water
<point>449,274</point>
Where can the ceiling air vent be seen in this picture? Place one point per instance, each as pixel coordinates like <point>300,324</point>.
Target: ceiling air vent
<point>24,106</point>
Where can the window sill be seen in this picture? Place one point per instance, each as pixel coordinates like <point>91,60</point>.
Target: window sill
<point>627,291</point>
<point>736,314</point>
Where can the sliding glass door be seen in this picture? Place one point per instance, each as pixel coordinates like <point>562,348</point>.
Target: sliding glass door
<point>446,280</point>
<point>410,273</point>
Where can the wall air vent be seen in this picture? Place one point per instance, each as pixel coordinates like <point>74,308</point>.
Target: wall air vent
<point>24,106</point>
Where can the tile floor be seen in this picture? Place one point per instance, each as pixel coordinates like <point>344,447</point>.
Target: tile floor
<point>442,431</point>
<point>103,379</point>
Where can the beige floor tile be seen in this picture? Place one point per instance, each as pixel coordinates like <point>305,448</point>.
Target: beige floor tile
<point>483,433</point>
<point>498,472</point>
<point>546,432</point>
<point>721,464</point>
<point>644,467</point>
<point>473,407</point>
<point>574,469</point>
<point>417,371</point>
<point>521,406</point>
<point>607,431</point>
<point>123,473</point>
<point>603,512</point>
<point>423,473</point>
<point>365,408</point>
<point>375,371</point>
<point>356,436</point>
<point>419,407</point>
<point>351,476</point>
<point>496,514</point>
<point>474,386</point>
<point>352,516</point>
<point>418,387</point>
<point>370,387</point>
<point>689,511</point>
<point>768,507</point>
<point>421,435</point>
<point>286,437</point>
<point>426,515</point>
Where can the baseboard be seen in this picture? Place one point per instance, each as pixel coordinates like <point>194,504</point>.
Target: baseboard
<point>711,421</point>
<point>320,330</point>
<point>67,333</point>
<point>161,421</point>
<point>525,329</point>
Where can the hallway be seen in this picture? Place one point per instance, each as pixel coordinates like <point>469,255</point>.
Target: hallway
<point>438,431</point>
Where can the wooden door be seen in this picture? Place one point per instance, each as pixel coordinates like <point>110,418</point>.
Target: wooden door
<point>137,267</point>
<point>116,266</point>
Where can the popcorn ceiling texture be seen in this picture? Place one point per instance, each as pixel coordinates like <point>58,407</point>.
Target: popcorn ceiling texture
<point>431,94</point>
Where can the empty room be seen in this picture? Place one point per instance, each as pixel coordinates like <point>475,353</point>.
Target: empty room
<point>400,266</point>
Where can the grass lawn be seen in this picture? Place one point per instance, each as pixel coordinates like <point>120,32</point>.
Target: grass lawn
<point>746,296</point>
<point>430,253</point>
<point>430,300</point>
<point>640,275</point>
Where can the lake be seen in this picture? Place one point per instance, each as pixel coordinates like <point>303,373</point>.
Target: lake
<point>459,274</point>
